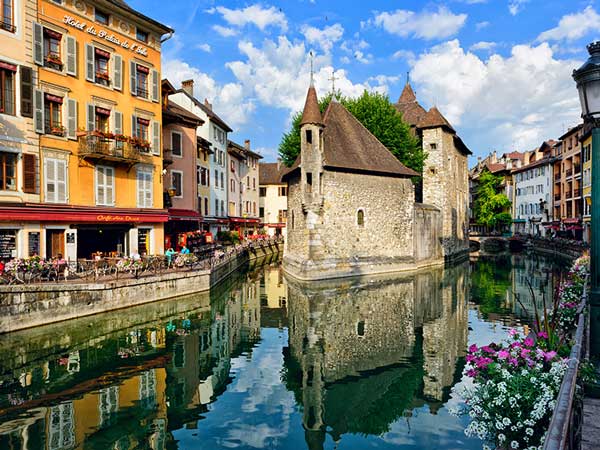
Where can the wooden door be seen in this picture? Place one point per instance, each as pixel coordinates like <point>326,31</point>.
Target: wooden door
<point>55,243</point>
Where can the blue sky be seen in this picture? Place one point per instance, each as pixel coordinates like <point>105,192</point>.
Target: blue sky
<point>499,70</point>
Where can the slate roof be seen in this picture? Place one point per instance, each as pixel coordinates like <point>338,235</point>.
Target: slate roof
<point>311,112</point>
<point>434,119</point>
<point>269,173</point>
<point>407,105</point>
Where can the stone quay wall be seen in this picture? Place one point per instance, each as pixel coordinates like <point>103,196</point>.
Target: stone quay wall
<point>31,305</point>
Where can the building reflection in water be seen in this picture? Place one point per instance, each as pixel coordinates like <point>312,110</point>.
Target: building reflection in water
<point>356,356</point>
<point>365,352</point>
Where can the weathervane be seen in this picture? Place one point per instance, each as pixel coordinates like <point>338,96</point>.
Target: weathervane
<point>332,79</point>
<point>312,81</point>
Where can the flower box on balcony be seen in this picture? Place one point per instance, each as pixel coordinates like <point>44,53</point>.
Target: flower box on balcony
<point>57,131</point>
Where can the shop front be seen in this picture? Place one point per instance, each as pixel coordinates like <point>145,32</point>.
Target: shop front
<point>244,226</point>
<point>79,232</point>
<point>181,222</point>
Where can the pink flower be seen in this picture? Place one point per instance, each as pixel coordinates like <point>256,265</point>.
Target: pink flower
<point>528,342</point>
<point>503,354</point>
<point>549,356</point>
<point>488,349</point>
<point>473,348</point>
<point>525,352</point>
<point>543,335</point>
<point>472,373</point>
<point>470,358</point>
<point>482,363</point>
<point>513,361</point>
<point>512,332</point>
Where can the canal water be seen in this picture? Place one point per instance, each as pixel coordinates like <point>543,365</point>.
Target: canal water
<point>264,362</point>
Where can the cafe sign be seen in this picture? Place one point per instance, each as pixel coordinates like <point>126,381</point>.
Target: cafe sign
<point>91,29</point>
<point>111,218</point>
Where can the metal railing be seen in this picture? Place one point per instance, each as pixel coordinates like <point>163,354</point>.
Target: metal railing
<point>564,431</point>
<point>94,145</point>
<point>569,172</point>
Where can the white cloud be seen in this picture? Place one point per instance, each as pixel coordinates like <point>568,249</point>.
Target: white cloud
<point>425,25</point>
<point>573,26</point>
<point>204,47</point>
<point>256,14</point>
<point>345,60</point>
<point>325,37</point>
<point>481,25</point>
<point>224,31</point>
<point>516,6</point>
<point>524,98</point>
<point>483,45</point>
<point>405,54</point>
<point>362,57</point>
<point>228,99</point>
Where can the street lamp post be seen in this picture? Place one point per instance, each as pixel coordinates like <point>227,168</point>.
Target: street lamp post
<point>587,78</point>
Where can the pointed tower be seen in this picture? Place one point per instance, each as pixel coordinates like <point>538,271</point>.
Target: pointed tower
<point>407,105</point>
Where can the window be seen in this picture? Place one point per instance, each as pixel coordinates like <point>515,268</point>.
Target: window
<point>141,129</point>
<point>261,212</point>
<point>6,16</point>
<point>232,209</point>
<point>253,183</point>
<point>222,207</point>
<point>102,117</point>
<point>177,183</point>
<point>219,136</point>
<point>360,218</point>
<point>8,171</point>
<point>262,191</point>
<point>7,88</point>
<point>102,17</point>
<point>144,187</point>
<point>217,207</point>
<point>141,35</point>
<point>141,81</point>
<point>176,143</point>
<point>308,182</point>
<point>309,136</point>
<point>433,146</point>
<point>216,179</point>
<point>55,180</point>
<point>52,55</point>
<point>232,165</point>
<point>360,328</point>
<point>53,115</point>
<point>232,183</point>
<point>282,191</point>
<point>101,59</point>
<point>105,185</point>
<point>206,206</point>
<point>222,181</point>
<point>282,215</point>
<point>204,176</point>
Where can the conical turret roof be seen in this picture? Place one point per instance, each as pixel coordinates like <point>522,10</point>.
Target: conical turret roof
<point>408,95</point>
<point>434,119</point>
<point>311,112</point>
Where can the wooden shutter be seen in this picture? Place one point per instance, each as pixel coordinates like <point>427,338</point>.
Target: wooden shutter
<point>50,180</point>
<point>26,91</point>
<point>118,124</point>
<point>71,66</point>
<point>61,181</point>
<point>90,117</point>
<point>89,63</point>
<point>38,41</point>
<point>38,106</point>
<point>140,188</point>
<point>71,118</point>
<point>117,72</point>
<point>110,176</point>
<point>30,173</point>
<point>155,90</point>
<point>133,77</point>
<point>149,189</point>
<point>133,126</point>
<point>155,137</point>
<point>100,186</point>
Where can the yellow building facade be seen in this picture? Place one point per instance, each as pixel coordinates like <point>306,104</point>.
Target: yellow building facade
<point>586,154</point>
<point>97,112</point>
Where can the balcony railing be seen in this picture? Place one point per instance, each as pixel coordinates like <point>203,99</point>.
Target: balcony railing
<point>557,197</point>
<point>94,146</point>
<point>568,194</point>
<point>569,172</point>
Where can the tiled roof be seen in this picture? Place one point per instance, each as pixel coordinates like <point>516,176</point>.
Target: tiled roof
<point>495,167</point>
<point>174,109</point>
<point>434,119</point>
<point>407,105</point>
<point>269,173</point>
<point>311,112</point>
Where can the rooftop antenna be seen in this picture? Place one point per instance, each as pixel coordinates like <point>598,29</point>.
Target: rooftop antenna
<point>332,79</point>
<point>312,81</point>
<point>408,77</point>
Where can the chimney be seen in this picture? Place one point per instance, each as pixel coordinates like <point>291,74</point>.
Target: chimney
<point>247,144</point>
<point>526,158</point>
<point>494,157</point>
<point>279,162</point>
<point>188,86</point>
<point>509,164</point>
<point>207,104</point>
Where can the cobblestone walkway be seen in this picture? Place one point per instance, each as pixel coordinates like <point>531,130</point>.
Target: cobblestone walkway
<point>590,439</point>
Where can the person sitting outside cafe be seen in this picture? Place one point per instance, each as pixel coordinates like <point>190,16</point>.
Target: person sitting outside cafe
<point>169,254</point>
<point>184,250</point>
<point>135,255</point>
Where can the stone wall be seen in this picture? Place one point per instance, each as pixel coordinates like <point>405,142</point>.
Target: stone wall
<point>427,229</point>
<point>446,186</point>
<point>26,306</point>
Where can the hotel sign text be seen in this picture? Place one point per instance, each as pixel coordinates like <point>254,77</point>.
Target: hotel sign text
<point>71,21</point>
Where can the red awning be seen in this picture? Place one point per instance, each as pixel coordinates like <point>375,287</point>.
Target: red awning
<point>142,69</point>
<point>7,66</point>
<point>54,98</point>
<point>571,220</point>
<point>243,220</point>
<point>275,225</point>
<point>44,213</point>
<point>183,214</point>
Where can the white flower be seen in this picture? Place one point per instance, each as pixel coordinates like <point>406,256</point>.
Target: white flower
<point>506,421</point>
<point>514,444</point>
<point>501,438</point>
<point>529,431</point>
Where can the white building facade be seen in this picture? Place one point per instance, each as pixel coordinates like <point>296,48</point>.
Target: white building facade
<point>533,189</point>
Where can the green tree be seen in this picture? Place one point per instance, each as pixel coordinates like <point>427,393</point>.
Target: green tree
<point>378,115</point>
<point>491,206</point>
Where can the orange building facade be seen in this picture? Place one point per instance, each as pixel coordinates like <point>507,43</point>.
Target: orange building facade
<point>97,113</point>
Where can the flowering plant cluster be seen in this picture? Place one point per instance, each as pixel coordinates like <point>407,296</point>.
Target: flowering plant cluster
<point>129,264</point>
<point>515,383</point>
<point>32,264</point>
<point>182,260</point>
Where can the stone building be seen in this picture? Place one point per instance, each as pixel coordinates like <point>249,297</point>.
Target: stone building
<point>351,207</point>
<point>445,179</point>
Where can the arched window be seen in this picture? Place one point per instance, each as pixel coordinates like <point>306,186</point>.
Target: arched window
<point>360,218</point>
<point>360,328</point>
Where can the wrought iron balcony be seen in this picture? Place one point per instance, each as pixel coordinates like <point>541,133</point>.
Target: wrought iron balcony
<point>95,146</point>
